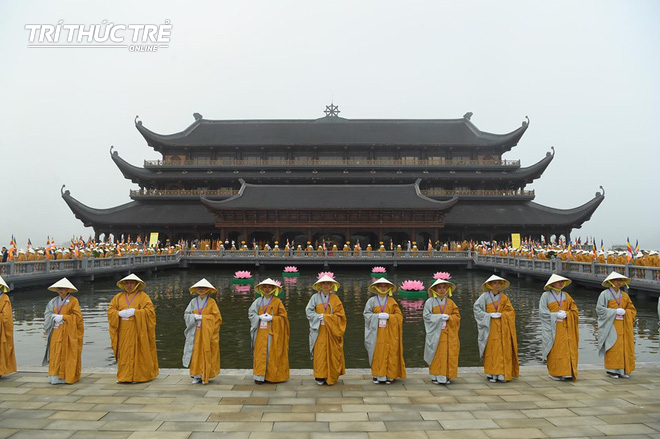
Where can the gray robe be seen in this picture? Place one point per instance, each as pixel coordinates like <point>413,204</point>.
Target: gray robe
<point>189,332</point>
<point>314,319</point>
<point>548,323</point>
<point>433,326</point>
<point>607,335</point>
<point>483,322</point>
<point>370,327</point>
<point>49,323</point>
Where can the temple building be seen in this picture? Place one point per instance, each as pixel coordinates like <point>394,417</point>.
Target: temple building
<point>333,179</point>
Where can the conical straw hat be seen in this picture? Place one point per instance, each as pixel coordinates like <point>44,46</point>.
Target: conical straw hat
<point>486,285</point>
<point>452,286</point>
<point>556,278</point>
<point>614,275</point>
<point>132,276</point>
<point>203,284</point>
<point>325,278</point>
<point>3,285</point>
<point>268,281</point>
<point>373,290</point>
<point>63,283</point>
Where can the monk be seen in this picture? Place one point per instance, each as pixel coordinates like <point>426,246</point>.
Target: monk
<point>7,355</point>
<point>496,322</point>
<point>63,326</point>
<point>132,320</point>
<point>616,317</point>
<point>442,321</point>
<point>559,329</point>
<point>203,319</point>
<point>383,333</point>
<point>269,333</point>
<point>327,325</point>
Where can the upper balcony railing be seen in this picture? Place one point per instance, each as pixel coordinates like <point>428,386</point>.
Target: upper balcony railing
<point>227,192</point>
<point>407,161</point>
<point>477,192</point>
<point>224,192</point>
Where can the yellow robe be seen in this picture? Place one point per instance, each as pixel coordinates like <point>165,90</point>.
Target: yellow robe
<point>501,354</point>
<point>205,360</point>
<point>563,357</point>
<point>622,354</point>
<point>272,361</point>
<point>134,339</point>
<point>329,347</point>
<point>66,342</point>
<point>7,355</point>
<point>445,361</point>
<point>388,352</point>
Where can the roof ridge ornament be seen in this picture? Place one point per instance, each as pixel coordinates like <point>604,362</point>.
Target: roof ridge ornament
<point>332,110</point>
<point>198,116</point>
<point>136,121</point>
<point>526,123</point>
<point>468,115</point>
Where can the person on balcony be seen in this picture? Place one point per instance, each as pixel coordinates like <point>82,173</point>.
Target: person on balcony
<point>497,339</point>
<point>442,321</point>
<point>201,352</point>
<point>383,333</point>
<point>64,330</point>
<point>132,320</point>
<point>616,318</point>
<point>559,329</point>
<point>269,334</point>
<point>327,325</point>
<point>7,354</point>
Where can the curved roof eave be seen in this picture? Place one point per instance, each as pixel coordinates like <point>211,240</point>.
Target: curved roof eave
<point>160,141</point>
<point>237,200</point>
<point>88,215</point>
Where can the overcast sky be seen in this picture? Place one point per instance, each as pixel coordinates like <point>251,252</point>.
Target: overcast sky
<point>586,73</point>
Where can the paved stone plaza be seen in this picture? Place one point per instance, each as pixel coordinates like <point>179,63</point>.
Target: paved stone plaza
<point>232,406</point>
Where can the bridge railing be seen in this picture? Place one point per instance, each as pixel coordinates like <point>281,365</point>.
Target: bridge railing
<point>322,254</point>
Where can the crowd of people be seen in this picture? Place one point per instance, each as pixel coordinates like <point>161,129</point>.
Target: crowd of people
<point>78,249</point>
<point>132,322</point>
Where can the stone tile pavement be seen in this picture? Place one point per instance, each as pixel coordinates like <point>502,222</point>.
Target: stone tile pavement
<point>233,407</point>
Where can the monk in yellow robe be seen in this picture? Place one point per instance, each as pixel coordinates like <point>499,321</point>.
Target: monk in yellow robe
<point>203,319</point>
<point>63,326</point>
<point>497,339</point>
<point>132,320</point>
<point>383,333</point>
<point>616,318</point>
<point>7,355</point>
<point>442,321</point>
<point>327,325</point>
<point>559,329</point>
<point>269,333</point>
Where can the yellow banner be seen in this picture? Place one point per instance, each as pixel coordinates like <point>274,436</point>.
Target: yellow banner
<point>515,240</point>
<point>153,239</point>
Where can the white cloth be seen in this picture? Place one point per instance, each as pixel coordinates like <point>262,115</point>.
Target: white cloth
<point>561,314</point>
<point>266,317</point>
<point>198,316</point>
<point>495,315</point>
<point>383,316</point>
<point>58,318</point>
<point>125,313</point>
<point>444,317</point>
<point>620,311</point>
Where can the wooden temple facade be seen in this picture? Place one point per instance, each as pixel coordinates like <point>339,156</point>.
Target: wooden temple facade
<point>333,179</point>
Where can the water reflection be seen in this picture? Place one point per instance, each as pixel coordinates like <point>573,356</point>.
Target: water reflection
<point>169,292</point>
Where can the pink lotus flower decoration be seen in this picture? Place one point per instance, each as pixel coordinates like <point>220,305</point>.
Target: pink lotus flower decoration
<point>279,284</point>
<point>242,288</point>
<point>412,285</point>
<point>442,275</point>
<point>242,275</point>
<point>291,269</point>
<point>378,270</point>
<point>326,273</point>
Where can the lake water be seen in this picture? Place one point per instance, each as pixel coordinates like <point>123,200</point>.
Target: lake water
<point>169,293</point>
